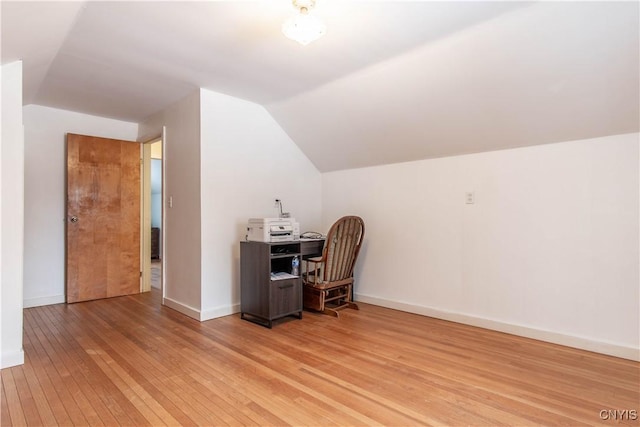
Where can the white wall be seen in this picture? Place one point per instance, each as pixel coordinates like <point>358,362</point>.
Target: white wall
<point>549,250</point>
<point>11,216</point>
<point>45,165</point>
<point>247,161</point>
<point>181,155</point>
<point>226,160</point>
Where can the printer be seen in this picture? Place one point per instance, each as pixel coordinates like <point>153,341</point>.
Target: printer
<point>273,230</point>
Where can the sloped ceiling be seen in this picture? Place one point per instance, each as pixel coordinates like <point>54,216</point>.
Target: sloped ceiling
<point>391,81</point>
<point>556,71</point>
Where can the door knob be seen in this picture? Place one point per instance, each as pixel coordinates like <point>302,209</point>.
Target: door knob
<point>73,219</point>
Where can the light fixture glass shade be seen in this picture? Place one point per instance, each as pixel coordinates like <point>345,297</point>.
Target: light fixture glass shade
<point>304,27</point>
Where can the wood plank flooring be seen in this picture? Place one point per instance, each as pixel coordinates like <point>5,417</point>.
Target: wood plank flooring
<point>130,361</point>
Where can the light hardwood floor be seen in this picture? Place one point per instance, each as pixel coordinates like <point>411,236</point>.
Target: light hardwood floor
<point>129,361</point>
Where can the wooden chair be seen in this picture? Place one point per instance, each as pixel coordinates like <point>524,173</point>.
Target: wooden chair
<point>328,279</point>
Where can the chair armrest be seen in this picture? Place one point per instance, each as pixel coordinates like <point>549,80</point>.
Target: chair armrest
<point>312,277</point>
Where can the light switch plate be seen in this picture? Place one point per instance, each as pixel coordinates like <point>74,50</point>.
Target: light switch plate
<point>469,197</point>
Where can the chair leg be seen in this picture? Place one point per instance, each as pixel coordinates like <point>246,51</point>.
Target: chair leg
<point>343,303</point>
<point>331,312</point>
<point>353,305</point>
<point>323,307</point>
<point>350,302</point>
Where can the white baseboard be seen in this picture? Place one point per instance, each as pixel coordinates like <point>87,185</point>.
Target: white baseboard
<point>213,313</point>
<point>182,308</point>
<point>12,358</point>
<point>194,313</point>
<point>583,343</point>
<point>40,301</point>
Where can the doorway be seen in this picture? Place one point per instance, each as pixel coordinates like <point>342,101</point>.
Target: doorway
<point>156,215</point>
<point>151,226</point>
<point>113,234</point>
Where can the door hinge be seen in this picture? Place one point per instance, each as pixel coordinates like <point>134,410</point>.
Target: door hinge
<point>141,274</point>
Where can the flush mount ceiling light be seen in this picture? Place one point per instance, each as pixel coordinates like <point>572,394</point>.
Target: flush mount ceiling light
<point>304,27</point>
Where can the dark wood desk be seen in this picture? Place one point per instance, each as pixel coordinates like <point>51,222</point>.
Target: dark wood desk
<point>310,248</point>
<point>265,297</point>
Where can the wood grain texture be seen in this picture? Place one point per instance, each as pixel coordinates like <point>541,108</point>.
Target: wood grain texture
<point>130,361</point>
<point>103,192</point>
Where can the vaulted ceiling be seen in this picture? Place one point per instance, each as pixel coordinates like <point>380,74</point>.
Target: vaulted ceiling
<point>391,81</point>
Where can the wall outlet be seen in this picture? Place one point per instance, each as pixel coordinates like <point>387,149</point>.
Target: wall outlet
<point>469,197</point>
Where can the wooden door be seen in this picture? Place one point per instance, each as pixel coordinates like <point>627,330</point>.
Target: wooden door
<point>103,218</point>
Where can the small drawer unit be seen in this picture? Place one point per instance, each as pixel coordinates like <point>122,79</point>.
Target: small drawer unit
<point>269,288</point>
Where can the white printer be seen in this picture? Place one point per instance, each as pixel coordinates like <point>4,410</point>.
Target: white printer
<point>273,230</point>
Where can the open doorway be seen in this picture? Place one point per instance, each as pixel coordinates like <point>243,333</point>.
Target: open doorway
<point>156,214</point>
<point>151,225</point>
